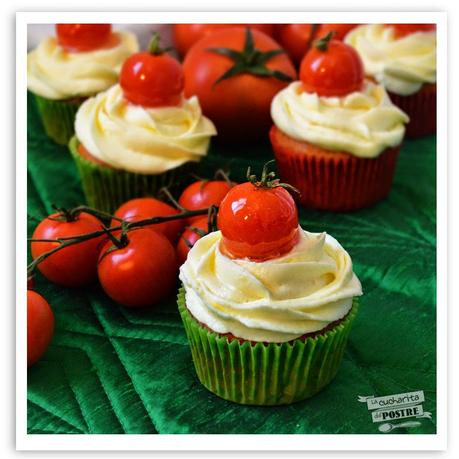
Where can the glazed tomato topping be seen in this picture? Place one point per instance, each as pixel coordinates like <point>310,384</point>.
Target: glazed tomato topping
<point>402,30</point>
<point>193,233</point>
<point>84,37</point>
<point>152,79</point>
<point>142,208</point>
<point>203,194</point>
<point>258,220</point>
<point>40,326</point>
<point>339,30</point>
<point>331,69</point>
<point>141,271</point>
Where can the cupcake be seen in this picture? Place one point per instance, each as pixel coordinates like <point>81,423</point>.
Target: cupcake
<point>402,57</point>
<point>141,134</point>
<point>267,306</point>
<point>336,136</point>
<point>63,71</point>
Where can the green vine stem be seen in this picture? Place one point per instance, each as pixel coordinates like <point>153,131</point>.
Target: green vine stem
<point>268,179</point>
<point>124,226</point>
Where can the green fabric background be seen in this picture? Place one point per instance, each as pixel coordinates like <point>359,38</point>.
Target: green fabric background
<point>112,370</point>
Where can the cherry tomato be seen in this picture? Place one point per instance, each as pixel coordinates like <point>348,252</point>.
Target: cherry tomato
<point>257,222</point>
<point>339,30</point>
<point>40,326</point>
<point>142,272</point>
<point>238,101</point>
<point>296,39</point>
<point>153,78</point>
<point>402,30</point>
<point>202,194</point>
<point>186,35</point>
<point>83,37</point>
<point>332,70</point>
<point>75,265</point>
<point>193,233</point>
<point>142,208</point>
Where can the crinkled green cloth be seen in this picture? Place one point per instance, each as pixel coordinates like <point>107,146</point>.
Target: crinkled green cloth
<point>115,370</point>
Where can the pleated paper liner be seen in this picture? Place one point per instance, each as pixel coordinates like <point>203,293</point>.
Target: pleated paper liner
<point>106,188</point>
<point>329,180</point>
<point>265,373</point>
<point>58,117</point>
<point>421,107</point>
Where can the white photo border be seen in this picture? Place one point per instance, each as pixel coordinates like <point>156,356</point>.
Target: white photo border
<point>229,442</point>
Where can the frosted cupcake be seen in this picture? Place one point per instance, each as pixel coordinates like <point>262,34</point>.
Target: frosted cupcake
<point>267,306</point>
<point>402,57</point>
<point>336,137</point>
<point>139,135</point>
<point>63,71</point>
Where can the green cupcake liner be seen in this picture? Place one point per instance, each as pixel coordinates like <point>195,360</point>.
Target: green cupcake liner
<point>58,117</point>
<point>265,373</point>
<point>106,188</point>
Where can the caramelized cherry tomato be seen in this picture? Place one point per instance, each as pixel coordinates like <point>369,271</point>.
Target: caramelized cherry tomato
<point>258,222</point>
<point>402,30</point>
<point>153,78</point>
<point>332,69</point>
<point>83,37</point>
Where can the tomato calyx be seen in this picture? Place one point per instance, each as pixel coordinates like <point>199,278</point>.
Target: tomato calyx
<point>250,60</point>
<point>118,242</point>
<point>268,179</point>
<point>322,43</point>
<point>154,47</point>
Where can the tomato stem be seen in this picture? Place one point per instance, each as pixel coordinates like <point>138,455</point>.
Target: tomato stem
<point>268,179</point>
<point>250,60</point>
<point>154,47</point>
<point>322,43</point>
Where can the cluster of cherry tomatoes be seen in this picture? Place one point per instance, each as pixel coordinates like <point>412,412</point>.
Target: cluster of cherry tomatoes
<point>135,269</point>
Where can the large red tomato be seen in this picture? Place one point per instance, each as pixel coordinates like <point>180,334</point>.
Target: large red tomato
<point>186,35</point>
<point>75,265</point>
<point>236,73</point>
<point>40,326</point>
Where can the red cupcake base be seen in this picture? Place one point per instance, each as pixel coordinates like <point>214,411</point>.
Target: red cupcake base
<point>331,180</point>
<point>421,107</point>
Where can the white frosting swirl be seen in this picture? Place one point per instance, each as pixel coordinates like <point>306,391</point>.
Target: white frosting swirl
<point>55,73</point>
<point>403,64</point>
<point>363,123</point>
<point>139,139</point>
<point>272,301</point>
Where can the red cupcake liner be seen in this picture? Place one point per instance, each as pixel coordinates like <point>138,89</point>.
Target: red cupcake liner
<point>331,180</point>
<point>421,107</point>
